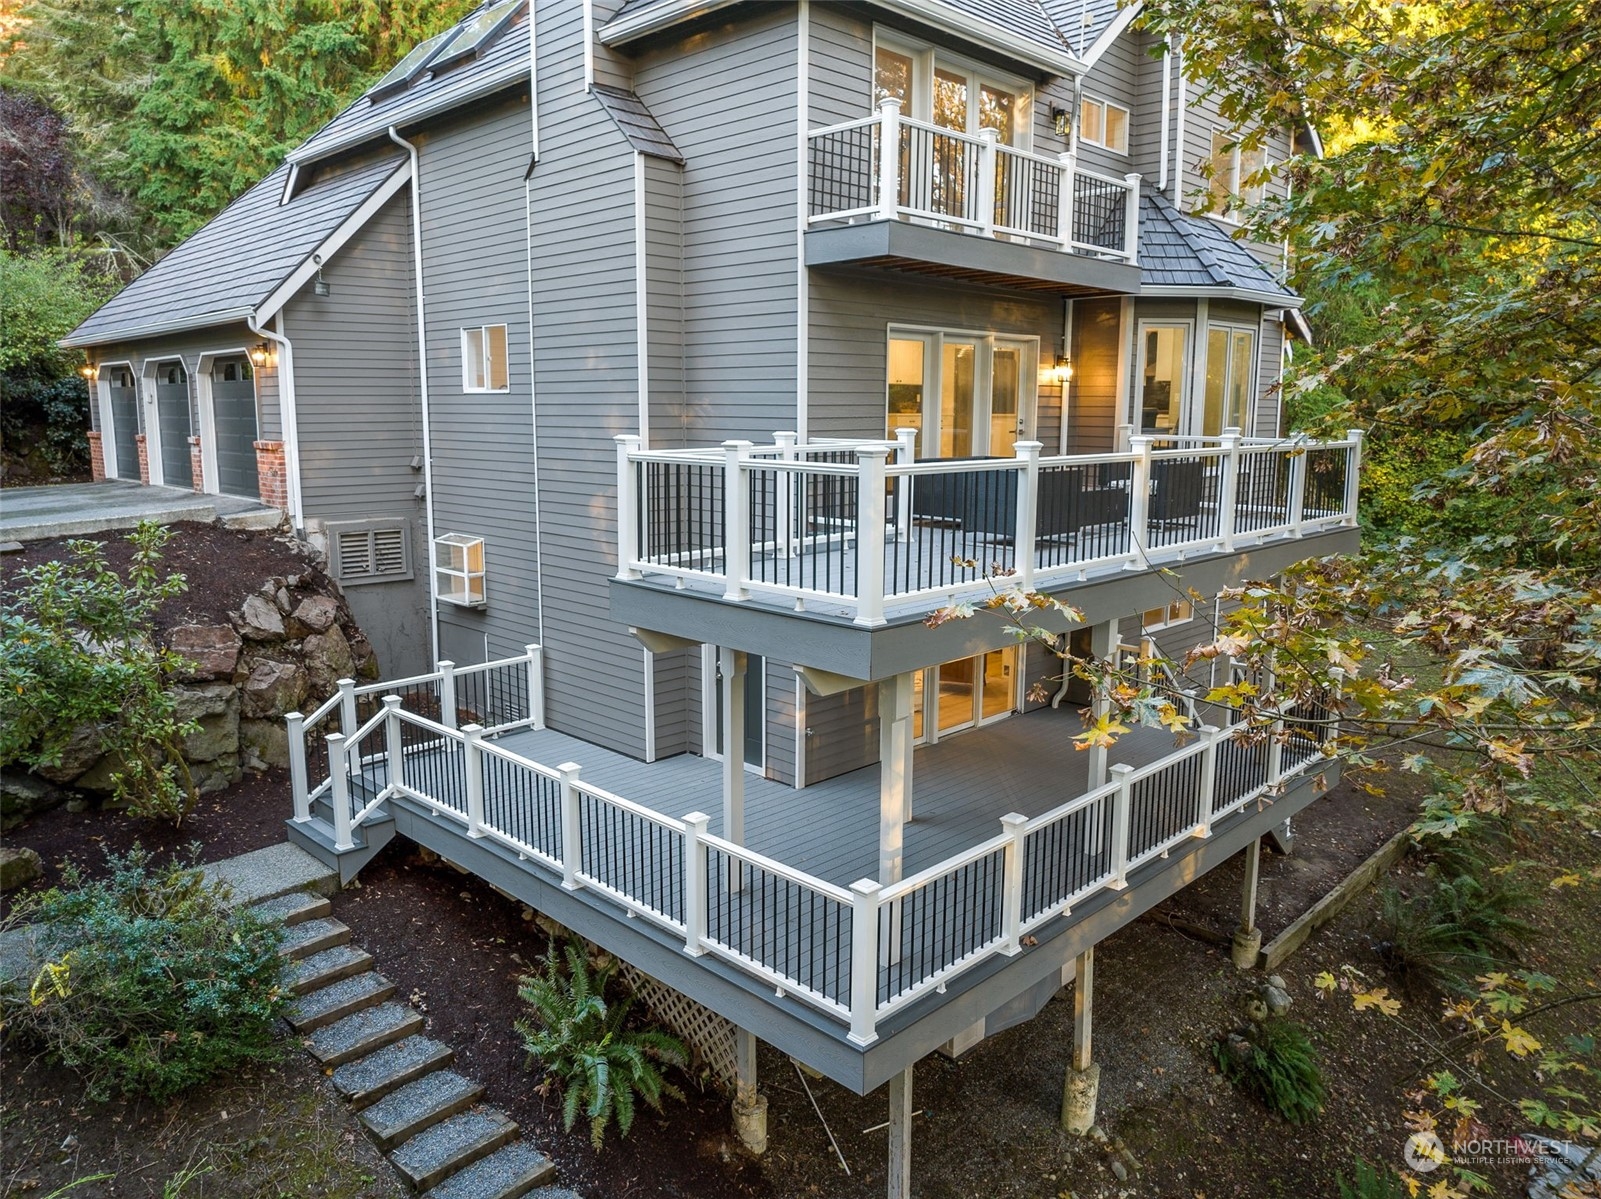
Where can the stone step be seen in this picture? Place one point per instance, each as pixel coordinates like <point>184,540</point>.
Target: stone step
<point>436,1153</point>
<point>505,1174</point>
<point>337,1000</point>
<point>359,1033</point>
<point>295,908</point>
<point>367,1080</point>
<point>328,966</point>
<point>272,871</point>
<point>313,936</point>
<point>418,1105</point>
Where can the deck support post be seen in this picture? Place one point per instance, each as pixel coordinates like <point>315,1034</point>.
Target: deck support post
<point>1103,648</point>
<point>894,794</point>
<point>472,761</point>
<point>731,665</point>
<point>750,1106</point>
<point>339,792</point>
<point>1248,938</point>
<point>900,1135</point>
<point>1082,1084</point>
<point>296,724</point>
<point>572,827</point>
<point>447,694</point>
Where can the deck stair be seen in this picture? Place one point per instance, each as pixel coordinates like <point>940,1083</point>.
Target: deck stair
<point>428,1118</point>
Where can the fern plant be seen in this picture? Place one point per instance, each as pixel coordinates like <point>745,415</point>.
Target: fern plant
<point>583,1041</point>
<point>1278,1066</point>
<point>1462,928</point>
<point>1372,1182</point>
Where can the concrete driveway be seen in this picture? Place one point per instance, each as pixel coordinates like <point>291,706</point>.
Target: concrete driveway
<point>78,509</point>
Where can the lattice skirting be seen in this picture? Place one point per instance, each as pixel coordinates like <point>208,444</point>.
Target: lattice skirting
<point>710,1037</point>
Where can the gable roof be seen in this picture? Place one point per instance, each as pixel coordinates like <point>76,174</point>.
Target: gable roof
<point>235,262</point>
<point>637,124</point>
<point>1195,256</point>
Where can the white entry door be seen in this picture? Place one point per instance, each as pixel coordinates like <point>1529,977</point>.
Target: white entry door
<point>968,395</point>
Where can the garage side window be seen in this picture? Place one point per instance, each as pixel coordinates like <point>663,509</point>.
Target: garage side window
<point>483,359</point>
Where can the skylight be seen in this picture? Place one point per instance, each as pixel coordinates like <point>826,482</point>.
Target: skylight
<point>407,69</point>
<point>470,36</point>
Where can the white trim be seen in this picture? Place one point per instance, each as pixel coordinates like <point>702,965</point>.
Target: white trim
<point>656,18</point>
<point>288,424</point>
<point>927,58</point>
<point>1068,310</point>
<point>1106,105</point>
<point>533,374</point>
<point>291,180</point>
<point>803,275</point>
<point>1110,34</point>
<point>708,703</point>
<point>1167,114</point>
<point>1269,299</point>
<point>589,43</point>
<point>987,342</point>
<point>800,720</point>
<point>467,385</point>
<point>1125,364</point>
<point>108,430</point>
<point>641,302</point>
<point>649,660</point>
<point>1195,418</point>
<point>1253,392</point>
<point>1182,103</point>
<point>330,245</point>
<point>121,333</point>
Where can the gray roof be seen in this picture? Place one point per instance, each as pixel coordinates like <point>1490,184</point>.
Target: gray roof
<point>234,262</point>
<point>636,122</point>
<point>1197,252</point>
<point>1081,22</point>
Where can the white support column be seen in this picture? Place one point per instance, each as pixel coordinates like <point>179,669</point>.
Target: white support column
<point>1208,791</point>
<point>988,160</point>
<point>447,694</point>
<point>1247,942</point>
<point>889,157</point>
<point>864,962</point>
<point>1295,510</point>
<point>1028,491</point>
<point>750,1106</point>
<point>1012,881</point>
<point>1121,803</point>
<point>295,724</point>
<point>1131,220</point>
<point>784,534</point>
<point>472,759</point>
<point>1353,476</point>
<point>339,792</point>
<point>1103,647</point>
<point>572,827</point>
<point>1064,211</point>
<point>627,506</point>
<point>736,521</point>
<point>1139,501</point>
<point>894,774</point>
<point>900,1136</point>
<point>348,723</point>
<point>731,664</point>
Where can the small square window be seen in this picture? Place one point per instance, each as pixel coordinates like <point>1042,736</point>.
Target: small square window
<point>1176,613</point>
<point>459,570</point>
<point>1102,123</point>
<point>483,359</point>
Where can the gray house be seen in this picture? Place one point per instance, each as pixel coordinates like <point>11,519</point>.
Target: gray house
<point>650,371</point>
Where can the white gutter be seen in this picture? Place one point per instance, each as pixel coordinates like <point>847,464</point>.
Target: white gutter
<point>422,386</point>
<point>288,425</point>
<point>224,316</point>
<point>1167,112</point>
<point>1271,299</point>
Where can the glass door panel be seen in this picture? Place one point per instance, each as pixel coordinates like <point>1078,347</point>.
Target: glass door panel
<point>919,687</point>
<point>1162,369</point>
<point>999,110</point>
<point>908,358</point>
<point>1006,415</point>
<point>1229,362</point>
<point>956,695</point>
<point>1217,376</point>
<point>1242,350</point>
<point>892,76</point>
<point>999,695</point>
<point>958,398</point>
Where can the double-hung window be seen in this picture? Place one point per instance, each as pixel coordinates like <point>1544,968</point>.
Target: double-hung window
<point>483,359</point>
<point>1102,123</point>
<point>1236,172</point>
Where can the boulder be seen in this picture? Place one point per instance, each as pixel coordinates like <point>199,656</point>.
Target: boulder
<point>97,778</point>
<point>215,775</point>
<point>18,866</point>
<point>328,659</point>
<point>314,614</point>
<point>272,689</point>
<point>260,620</point>
<point>212,649</point>
<point>216,707</point>
<point>281,598</point>
<point>264,743</point>
<point>22,795</point>
<point>81,751</point>
<point>1277,1000</point>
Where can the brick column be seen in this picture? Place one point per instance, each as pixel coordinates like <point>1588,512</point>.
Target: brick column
<point>271,476</point>
<point>197,470</point>
<point>144,458</point>
<point>97,458</point>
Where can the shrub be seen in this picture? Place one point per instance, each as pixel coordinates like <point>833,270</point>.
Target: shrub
<point>583,1041</point>
<point>1373,1182</point>
<point>1459,929</point>
<point>150,982</point>
<point>1276,1063</point>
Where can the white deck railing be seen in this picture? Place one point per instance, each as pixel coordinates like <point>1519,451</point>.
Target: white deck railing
<point>863,526</point>
<point>857,954</point>
<point>892,167</point>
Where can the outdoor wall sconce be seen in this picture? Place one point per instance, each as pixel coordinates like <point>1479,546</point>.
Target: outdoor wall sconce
<point>322,287</point>
<point>1062,370</point>
<point>260,354</point>
<point>89,371</point>
<point>1059,116</point>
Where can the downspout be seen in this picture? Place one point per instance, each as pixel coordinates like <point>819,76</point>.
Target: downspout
<point>1178,148</point>
<point>422,385</point>
<point>286,414</point>
<point>528,221</point>
<point>1167,112</point>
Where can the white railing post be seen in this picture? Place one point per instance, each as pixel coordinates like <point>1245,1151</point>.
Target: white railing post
<point>889,157</point>
<point>905,455</point>
<point>1229,487</point>
<point>1122,803</point>
<point>1208,793</point>
<point>348,723</point>
<point>784,486</point>
<point>295,726</point>
<point>572,831</point>
<point>864,961</point>
<point>339,792</point>
<point>736,520</point>
<point>1139,501</point>
<point>988,162</point>
<point>472,760</point>
<point>447,693</point>
<point>695,879</point>
<point>870,521</point>
<point>1295,506</point>
<point>1131,219</point>
<point>1352,475</point>
<point>627,507</point>
<point>536,686</point>
<point>1028,493</point>
<point>1066,201</point>
<point>1012,882</point>
<point>394,744</point>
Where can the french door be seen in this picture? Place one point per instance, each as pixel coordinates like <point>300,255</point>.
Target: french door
<point>964,694</point>
<point>968,395</point>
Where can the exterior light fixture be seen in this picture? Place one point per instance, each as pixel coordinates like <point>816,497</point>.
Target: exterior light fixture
<point>322,287</point>
<point>260,353</point>
<point>1063,369</point>
<point>1059,119</point>
<point>89,371</point>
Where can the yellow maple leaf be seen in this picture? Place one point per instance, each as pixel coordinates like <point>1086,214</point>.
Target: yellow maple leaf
<point>1565,880</point>
<point>1377,998</point>
<point>1518,1042</point>
<point>1326,983</point>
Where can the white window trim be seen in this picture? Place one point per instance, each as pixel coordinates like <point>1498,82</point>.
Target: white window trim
<point>466,575</point>
<point>466,370</point>
<point>926,57</point>
<point>1253,388</point>
<point>1136,414</point>
<point>1169,621</point>
<point>1128,120</point>
<point>933,339</point>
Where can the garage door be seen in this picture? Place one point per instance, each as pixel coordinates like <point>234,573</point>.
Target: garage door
<point>172,415</point>
<point>124,424</point>
<point>233,402</point>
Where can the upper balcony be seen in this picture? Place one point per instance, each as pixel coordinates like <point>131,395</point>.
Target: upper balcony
<point>889,190</point>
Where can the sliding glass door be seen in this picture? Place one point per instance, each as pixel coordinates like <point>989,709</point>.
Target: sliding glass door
<point>966,693</point>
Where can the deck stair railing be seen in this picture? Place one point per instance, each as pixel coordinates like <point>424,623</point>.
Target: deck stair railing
<point>865,526</point>
<point>857,953</point>
<point>893,167</point>
<point>341,744</point>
